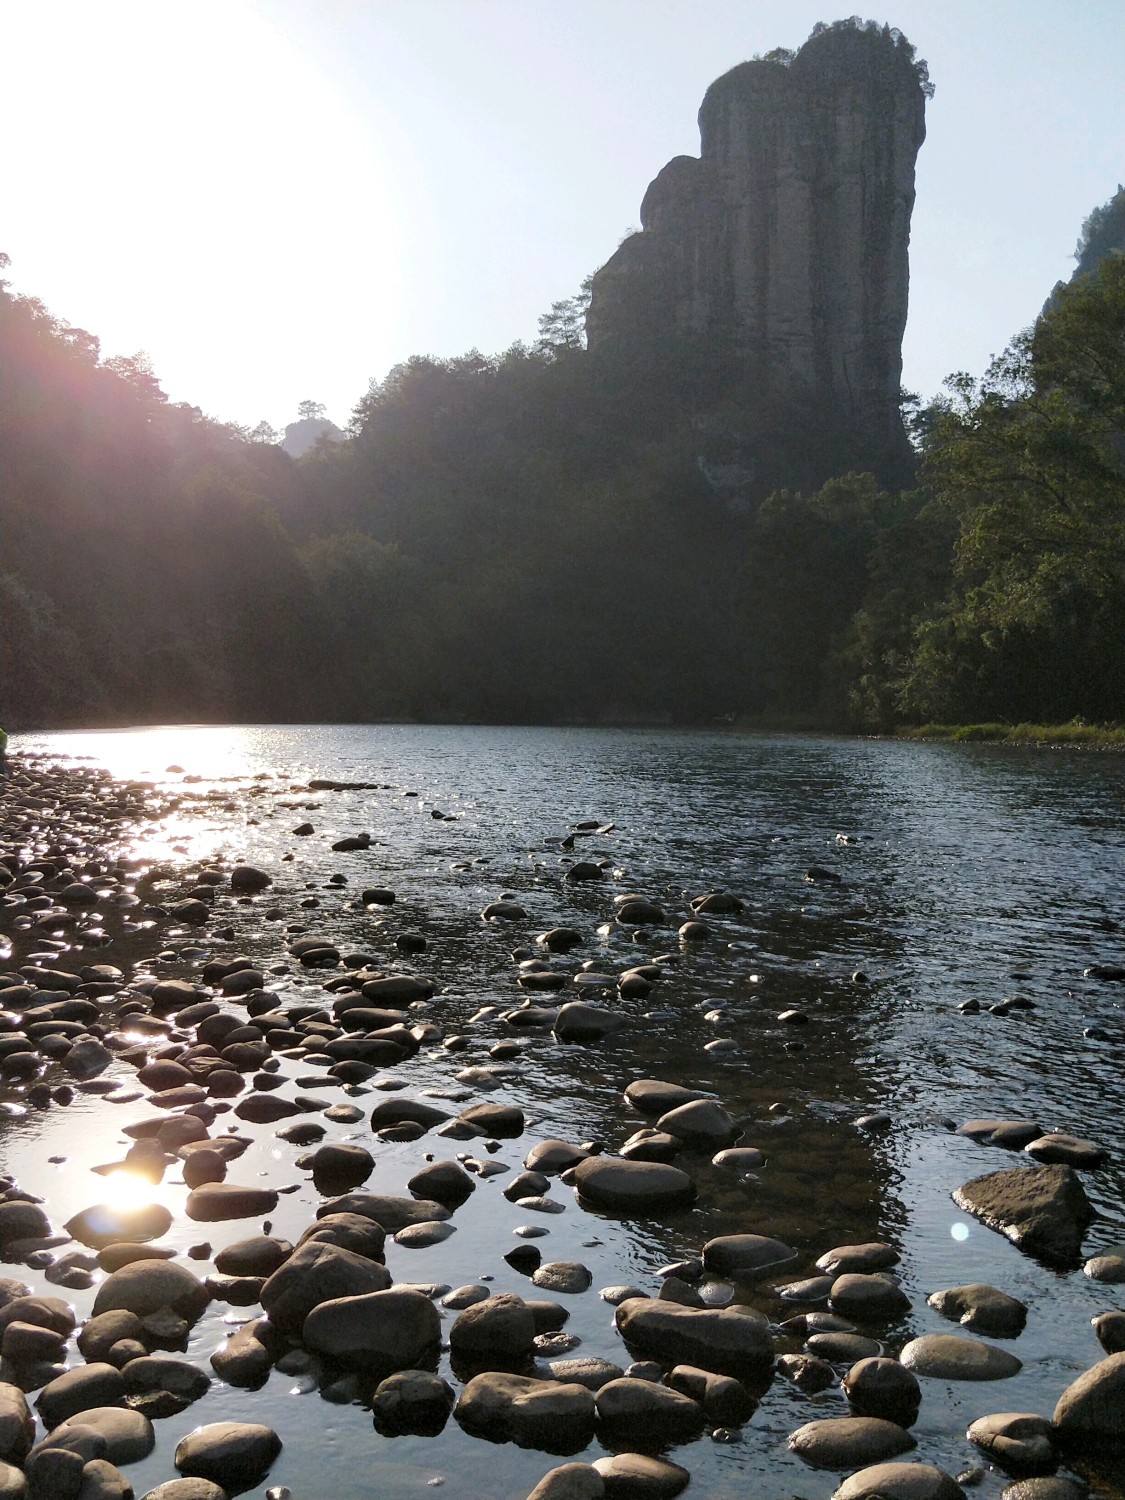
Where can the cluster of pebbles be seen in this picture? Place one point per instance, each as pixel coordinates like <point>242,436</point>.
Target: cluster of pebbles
<point>696,1358</point>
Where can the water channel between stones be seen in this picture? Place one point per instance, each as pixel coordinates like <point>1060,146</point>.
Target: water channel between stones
<point>962,872</point>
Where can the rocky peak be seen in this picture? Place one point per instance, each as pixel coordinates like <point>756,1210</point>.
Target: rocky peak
<point>776,260</point>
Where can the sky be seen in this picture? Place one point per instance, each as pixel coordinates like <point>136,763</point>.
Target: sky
<point>279,200</point>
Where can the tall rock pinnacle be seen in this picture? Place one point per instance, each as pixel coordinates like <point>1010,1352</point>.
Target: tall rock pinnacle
<point>772,269</point>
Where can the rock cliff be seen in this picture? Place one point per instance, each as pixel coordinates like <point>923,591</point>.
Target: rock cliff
<point>771,270</point>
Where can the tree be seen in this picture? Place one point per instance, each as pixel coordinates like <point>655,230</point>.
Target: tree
<point>314,410</point>
<point>564,327</point>
<point>264,433</point>
<point>1030,462</point>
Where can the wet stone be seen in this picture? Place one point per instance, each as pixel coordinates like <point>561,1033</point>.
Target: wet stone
<point>563,1276</point>
<point>381,1331</point>
<point>863,1259</point>
<point>422,1236</point>
<point>1110,1268</point>
<point>900,1481</point>
<point>1017,1441</point>
<point>626,1408</point>
<point>1109,1328</point>
<point>878,1387</point>
<point>946,1356</point>
<point>632,1186</point>
<point>1090,1413</point>
<point>636,1476</point>
<point>412,1401</point>
<point>849,1442</point>
<point>570,1482</point>
<point>982,1308</point>
<point>807,1372</point>
<point>534,1413</point>
<point>1054,1488</point>
<point>589,1370</point>
<point>868,1299</point>
<point>186,1489</point>
<point>843,1348</point>
<point>235,1455</point>
<point>1043,1210</point>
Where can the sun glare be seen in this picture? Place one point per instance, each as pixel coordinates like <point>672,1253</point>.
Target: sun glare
<point>178,178</point>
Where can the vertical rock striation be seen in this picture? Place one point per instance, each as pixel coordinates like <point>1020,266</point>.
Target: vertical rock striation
<point>771,271</point>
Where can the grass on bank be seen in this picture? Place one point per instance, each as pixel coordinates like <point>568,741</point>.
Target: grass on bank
<point>1076,733</point>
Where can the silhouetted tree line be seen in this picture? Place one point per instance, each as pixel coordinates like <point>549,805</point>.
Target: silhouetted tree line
<point>530,538</point>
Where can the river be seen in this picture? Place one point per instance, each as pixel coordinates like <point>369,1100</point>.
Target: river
<point>965,871</point>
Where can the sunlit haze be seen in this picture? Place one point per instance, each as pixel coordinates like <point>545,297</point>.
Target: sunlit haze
<point>279,201</point>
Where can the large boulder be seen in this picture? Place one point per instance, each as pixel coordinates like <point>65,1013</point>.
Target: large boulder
<point>1043,1210</point>
<point>728,1341</point>
<point>632,1186</point>
<point>339,1166</point>
<point>317,1272</point>
<point>381,1332</point>
<point>1091,1411</point>
<point>533,1413</point>
<point>145,1286</point>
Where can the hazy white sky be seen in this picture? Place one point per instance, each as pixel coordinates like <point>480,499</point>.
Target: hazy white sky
<point>279,199</point>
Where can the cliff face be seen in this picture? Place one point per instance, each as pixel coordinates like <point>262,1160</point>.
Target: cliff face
<point>776,261</point>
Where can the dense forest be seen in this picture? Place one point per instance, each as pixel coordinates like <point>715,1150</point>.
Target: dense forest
<point>531,537</point>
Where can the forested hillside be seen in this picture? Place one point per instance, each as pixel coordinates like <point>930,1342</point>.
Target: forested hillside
<point>532,537</point>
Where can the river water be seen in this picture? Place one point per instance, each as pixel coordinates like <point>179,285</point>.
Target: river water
<point>966,872</point>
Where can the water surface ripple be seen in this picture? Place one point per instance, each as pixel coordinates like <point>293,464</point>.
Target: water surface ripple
<point>965,872</point>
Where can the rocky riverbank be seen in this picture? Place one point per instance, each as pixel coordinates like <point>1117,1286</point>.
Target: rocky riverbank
<point>102,1318</point>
